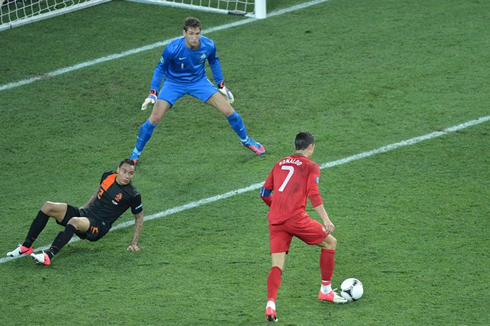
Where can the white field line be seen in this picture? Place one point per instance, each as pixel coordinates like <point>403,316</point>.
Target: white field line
<point>148,47</point>
<point>257,186</point>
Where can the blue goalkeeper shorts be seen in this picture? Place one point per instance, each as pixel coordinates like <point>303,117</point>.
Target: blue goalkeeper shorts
<point>171,91</point>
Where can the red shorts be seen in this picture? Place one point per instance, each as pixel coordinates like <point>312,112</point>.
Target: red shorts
<point>302,226</point>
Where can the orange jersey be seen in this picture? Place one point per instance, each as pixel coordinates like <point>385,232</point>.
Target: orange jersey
<point>292,180</point>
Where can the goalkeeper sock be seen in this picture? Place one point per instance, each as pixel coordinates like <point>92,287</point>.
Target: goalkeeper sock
<point>144,135</point>
<point>61,240</point>
<point>237,124</point>
<point>36,228</point>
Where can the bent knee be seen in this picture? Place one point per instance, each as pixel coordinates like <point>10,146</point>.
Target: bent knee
<point>155,119</point>
<point>80,223</point>
<point>50,208</point>
<point>161,107</point>
<point>329,243</point>
<point>219,102</point>
<point>227,110</point>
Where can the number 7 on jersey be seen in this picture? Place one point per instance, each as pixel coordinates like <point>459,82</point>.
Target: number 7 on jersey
<point>290,170</point>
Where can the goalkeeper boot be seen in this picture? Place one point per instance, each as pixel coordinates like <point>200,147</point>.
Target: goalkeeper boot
<point>135,156</point>
<point>270,311</point>
<point>331,296</point>
<point>41,259</point>
<point>255,147</point>
<point>20,251</point>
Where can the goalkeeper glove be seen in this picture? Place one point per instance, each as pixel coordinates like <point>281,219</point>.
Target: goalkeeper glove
<point>152,98</point>
<point>226,92</point>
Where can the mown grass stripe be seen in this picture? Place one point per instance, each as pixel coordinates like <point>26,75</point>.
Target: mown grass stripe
<point>257,186</point>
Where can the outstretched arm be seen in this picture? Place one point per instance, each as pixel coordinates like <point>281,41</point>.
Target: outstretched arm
<point>138,227</point>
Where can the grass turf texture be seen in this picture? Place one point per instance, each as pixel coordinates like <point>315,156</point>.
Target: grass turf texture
<point>412,224</point>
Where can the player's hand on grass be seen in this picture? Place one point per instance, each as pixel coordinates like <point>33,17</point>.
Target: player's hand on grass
<point>226,92</point>
<point>151,99</point>
<point>133,248</point>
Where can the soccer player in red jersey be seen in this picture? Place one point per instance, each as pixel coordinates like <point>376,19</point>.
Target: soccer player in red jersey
<point>292,180</point>
<point>115,195</point>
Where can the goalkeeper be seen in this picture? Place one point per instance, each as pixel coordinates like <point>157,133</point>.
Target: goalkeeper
<point>183,66</point>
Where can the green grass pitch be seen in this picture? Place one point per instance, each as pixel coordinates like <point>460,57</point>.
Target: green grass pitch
<point>411,223</point>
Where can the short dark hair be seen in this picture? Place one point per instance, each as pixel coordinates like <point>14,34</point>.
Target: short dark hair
<point>192,22</point>
<point>303,140</point>
<point>127,161</point>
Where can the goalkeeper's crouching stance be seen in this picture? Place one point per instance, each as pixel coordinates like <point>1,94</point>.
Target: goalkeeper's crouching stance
<point>183,66</point>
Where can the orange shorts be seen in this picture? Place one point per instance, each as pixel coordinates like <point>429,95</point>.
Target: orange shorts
<point>301,226</point>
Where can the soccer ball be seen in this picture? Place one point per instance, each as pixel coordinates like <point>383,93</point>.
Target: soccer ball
<point>351,289</point>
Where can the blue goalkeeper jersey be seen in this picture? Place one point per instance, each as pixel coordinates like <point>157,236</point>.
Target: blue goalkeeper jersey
<point>183,65</point>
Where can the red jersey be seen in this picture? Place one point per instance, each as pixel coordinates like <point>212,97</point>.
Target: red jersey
<point>292,180</point>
